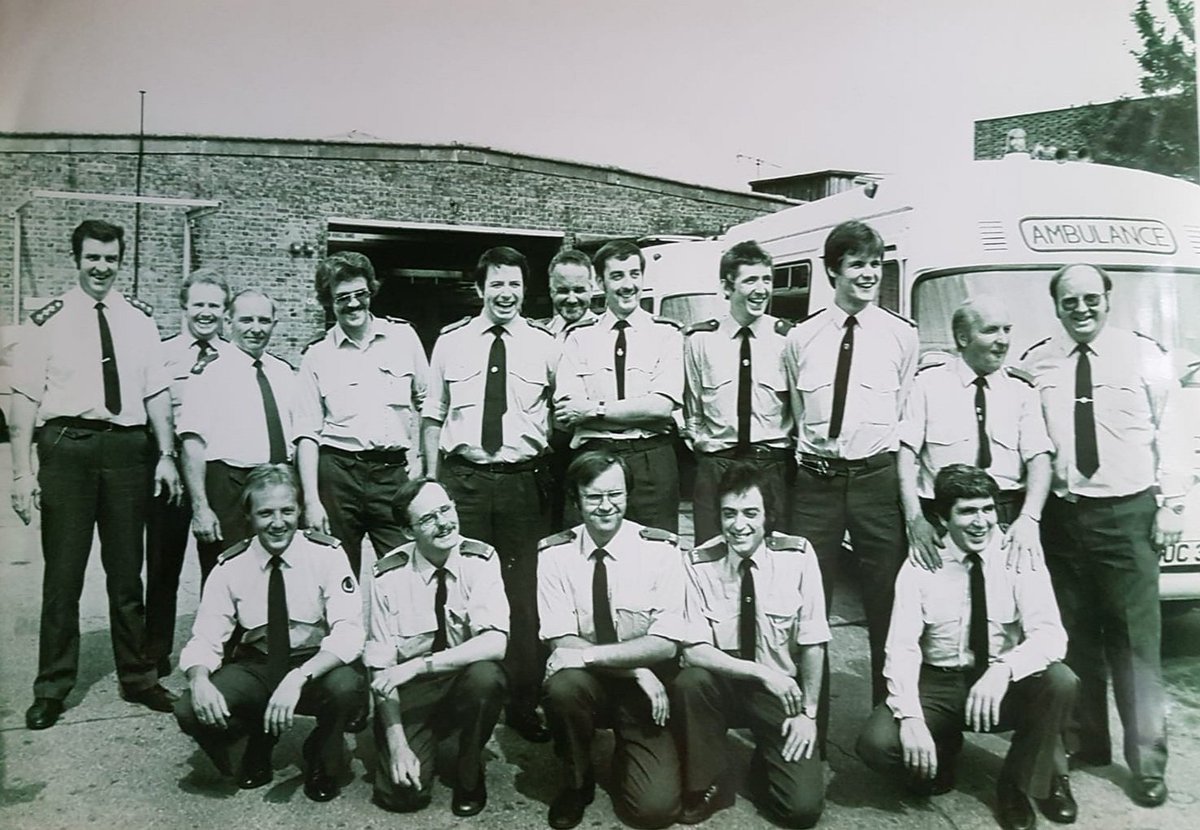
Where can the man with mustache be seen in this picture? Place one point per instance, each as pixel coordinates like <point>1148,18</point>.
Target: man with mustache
<point>203,296</point>
<point>620,381</point>
<point>1122,471</point>
<point>973,411</point>
<point>735,403</point>
<point>237,414</point>
<point>91,370</point>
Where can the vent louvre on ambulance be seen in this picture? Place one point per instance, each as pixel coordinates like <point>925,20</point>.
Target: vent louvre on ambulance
<point>991,234</point>
<point>1192,232</point>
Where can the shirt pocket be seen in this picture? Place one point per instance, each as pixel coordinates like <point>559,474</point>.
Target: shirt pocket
<point>1124,409</point>
<point>530,386</point>
<point>770,392</point>
<point>719,396</point>
<point>817,398</point>
<point>396,387</point>
<point>464,387</point>
<point>943,626</point>
<point>878,396</point>
<point>724,629</point>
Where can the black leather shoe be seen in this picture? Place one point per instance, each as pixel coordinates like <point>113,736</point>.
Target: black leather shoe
<point>320,786</point>
<point>1148,792</point>
<point>527,724</point>
<point>154,697</point>
<point>469,802</point>
<point>255,769</point>
<point>699,805</point>
<point>1013,808</point>
<point>566,811</point>
<point>1059,806</point>
<point>43,713</point>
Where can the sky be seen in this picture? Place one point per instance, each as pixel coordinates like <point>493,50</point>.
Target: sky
<point>694,91</point>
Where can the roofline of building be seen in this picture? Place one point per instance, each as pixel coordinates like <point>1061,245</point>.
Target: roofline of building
<point>1075,107</point>
<point>809,173</point>
<point>372,150</point>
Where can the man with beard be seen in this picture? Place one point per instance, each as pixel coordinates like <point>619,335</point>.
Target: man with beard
<point>971,411</point>
<point>360,396</point>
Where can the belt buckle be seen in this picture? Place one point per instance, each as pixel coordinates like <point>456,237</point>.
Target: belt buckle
<point>818,465</point>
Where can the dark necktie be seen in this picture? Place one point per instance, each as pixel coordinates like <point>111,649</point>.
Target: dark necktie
<point>205,355</point>
<point>977,635</point>
<point>602,619</point>
<point>744,386</point>
<point>983,458</point>
<point>747,612</point>
<point>108,364</point>
<point>841,378</point>
<point>495,395</point>
<point>279,644</point>
<point>439,609</point>
<point>278,449</point>
<point>620,352</point>
<point>1087,455</point>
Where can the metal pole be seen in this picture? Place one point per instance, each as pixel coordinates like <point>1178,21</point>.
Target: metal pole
<point>137,208</point>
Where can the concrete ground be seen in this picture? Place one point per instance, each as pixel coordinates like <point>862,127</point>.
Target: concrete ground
<point>112,764</point>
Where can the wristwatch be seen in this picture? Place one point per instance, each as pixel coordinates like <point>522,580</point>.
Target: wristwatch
<point>1177,508</point>
<point>601,409</point>
<point>429,664</point>
<point>168,454</point>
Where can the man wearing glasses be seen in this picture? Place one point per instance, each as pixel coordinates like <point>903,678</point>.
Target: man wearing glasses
<point>361,390</point>
<point>1111,401</point>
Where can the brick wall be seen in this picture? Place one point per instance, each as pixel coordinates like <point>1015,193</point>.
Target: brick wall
<point>1052,127</point>
<point>273,193</point>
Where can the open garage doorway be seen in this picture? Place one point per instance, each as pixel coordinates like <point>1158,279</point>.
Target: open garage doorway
<point>425,269</point>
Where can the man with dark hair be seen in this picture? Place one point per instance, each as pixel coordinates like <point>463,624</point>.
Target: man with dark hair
<point>238,413</point>
<point>91,371</point>
<point>610,658</point>
<point>302,615</point>
<point>620,381</point>
<point>485,436</point>
<point>438,630</point>
<point>1122,471</point>
<point>753,657</point>
<point>735,401</point>
<point>849,369</point>
<point>975,645</point>
<point>571,283</point>
<point>203,297</point>
<point>975,410</point>
<point>360,392</point>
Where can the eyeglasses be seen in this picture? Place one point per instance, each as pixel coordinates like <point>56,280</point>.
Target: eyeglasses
<point>427,520</point>
<point>1089,300</point>
<point>617,497</point>
<point>362,295</point>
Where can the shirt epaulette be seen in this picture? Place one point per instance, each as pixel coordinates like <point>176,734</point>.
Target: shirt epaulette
<point>393,560</point>
<point>322,538</point>
<point>1041,342</point>
<point>540,326</point>
<point>312,343</point>
<point>713,550</point>
<point>582,322</point>
<point>234,550</point>
<point>1020,374</point>
<point>279,359</point>
<point>47,311</point>
<point>1160,346</point>
<point>782,327</point>
<point>400,321</point>
<point>667,321</point>
<point>203,359</point>
<point>899,316</point>
<point>557,539</point>
<point>457,324</point>
<point>703,325</point>
<point>140,305</point>
<point>785,541</point>
<point>655,534</point>
<point>929,366</point>
<point>809,316</point>
<point>471,547</point>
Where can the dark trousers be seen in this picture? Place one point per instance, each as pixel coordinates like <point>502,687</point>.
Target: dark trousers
<point>646,790</point>
<point>357,496</point>
<point>1036,709</point>
<point>865,502</point>
<point>1105,575</point>
<point>560,459</point>
<point>511,512</point>
<point>168,528</point>
<point>333,698</point>
<point>772,466</point>
<point>89,480</point>
<point>654,499</point>
<point>704,705</point>
<point>223,485</point>
<point>431,708</point>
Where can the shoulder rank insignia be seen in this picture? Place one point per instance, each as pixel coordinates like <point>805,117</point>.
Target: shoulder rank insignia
<point>655,534</point>
<point>928,366</point>
<point>784,541</point>
<point>203,359</point>
<point>471,547</point>
<point>782,327</point>
<point>809,316</point>
<point>233,550</point>
<point>400,321</point>
<point>899,316</point>
<point>1041,342</point>
<point>322,538</point>
<point>1019,374</point>
<point>396,559</point>
<point>457,324</point>
<point>140,305</point>
<point>1160,346</point>
<point>581,323</point>
<point>668,321</point>
<point>539,326</point>
<point>557,539</point>
<point>703,325</point>
<point>713,550</point>
<point>47,311</point>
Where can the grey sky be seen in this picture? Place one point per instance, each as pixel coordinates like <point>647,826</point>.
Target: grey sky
<point>673,88</point>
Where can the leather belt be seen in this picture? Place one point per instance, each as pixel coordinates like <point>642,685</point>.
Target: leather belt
<point>827,466</point>
<point>92,425</point>
<point>759,451</point>
<point>396,457</point>
<point>499,466</point>
<point>624,445</point>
